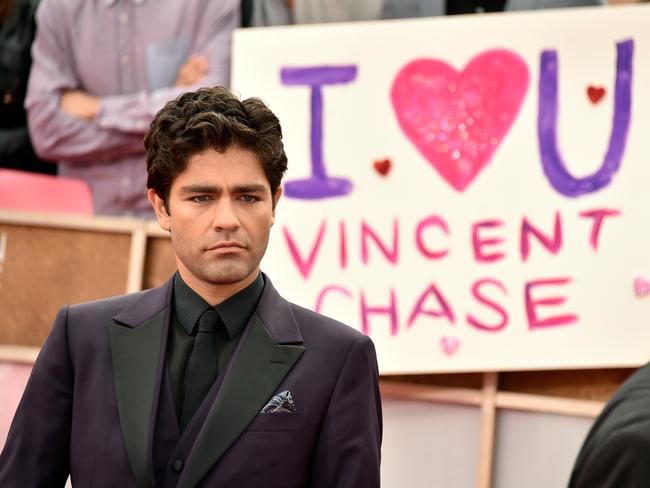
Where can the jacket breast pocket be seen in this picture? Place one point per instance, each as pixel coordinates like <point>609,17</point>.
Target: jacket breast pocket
<point>164,59</point>
<point>278,421</point>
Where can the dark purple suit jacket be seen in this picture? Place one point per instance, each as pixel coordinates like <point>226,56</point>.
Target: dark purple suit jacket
<point>90,406</point>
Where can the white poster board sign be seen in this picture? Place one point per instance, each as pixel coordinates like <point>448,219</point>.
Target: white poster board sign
<point>472,192</point>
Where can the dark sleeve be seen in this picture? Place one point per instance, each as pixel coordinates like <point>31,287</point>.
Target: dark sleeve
<point>620,461</point>
<point>14,147</point>
<point>37,449</point>
<point>348,448</point>
<point>16,151</point>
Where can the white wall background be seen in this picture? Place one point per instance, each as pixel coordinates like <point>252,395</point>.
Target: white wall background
<point>429,445</point>
<point>536,450</point>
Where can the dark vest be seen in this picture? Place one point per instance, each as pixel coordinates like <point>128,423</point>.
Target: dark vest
<point>171,448</point>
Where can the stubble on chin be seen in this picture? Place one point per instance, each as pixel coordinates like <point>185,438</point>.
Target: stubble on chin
<point>225,273</point>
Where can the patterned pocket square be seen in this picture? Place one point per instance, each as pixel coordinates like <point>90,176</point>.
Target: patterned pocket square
<point>280,403</point>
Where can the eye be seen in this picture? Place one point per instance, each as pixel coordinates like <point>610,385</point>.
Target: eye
<point>200,199</point>
<point>248,198</point>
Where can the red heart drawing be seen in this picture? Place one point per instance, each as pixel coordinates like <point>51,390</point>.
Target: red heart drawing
<point>383,166</point>
<point>449,345</point>
<point>595,93</point>
<point>641,287</point>
<point>458,119</point>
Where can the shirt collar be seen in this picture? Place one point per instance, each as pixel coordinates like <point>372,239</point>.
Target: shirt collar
<point>234,311</point>
<point>110,3</point>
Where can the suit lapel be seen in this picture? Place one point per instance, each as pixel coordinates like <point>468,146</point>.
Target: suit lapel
<point>137,339</point>
<point>255,372</point>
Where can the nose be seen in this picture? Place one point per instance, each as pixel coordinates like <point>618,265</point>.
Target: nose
<point>225,216</point>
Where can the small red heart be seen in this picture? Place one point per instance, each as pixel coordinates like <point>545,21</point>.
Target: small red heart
<point>595,93</point>
<point>383,166</point>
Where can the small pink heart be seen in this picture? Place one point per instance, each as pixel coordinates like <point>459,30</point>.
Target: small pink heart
<point>457,120</point>
<point>449,345</point>
<point>641,287</point>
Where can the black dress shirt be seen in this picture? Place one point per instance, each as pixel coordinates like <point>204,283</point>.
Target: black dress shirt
<point>187,307</point>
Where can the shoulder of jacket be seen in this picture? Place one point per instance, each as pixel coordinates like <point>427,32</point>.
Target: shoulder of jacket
<point>328,326</point>
<point>110,305</point>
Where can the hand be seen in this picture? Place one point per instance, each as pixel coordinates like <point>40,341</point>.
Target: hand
<point>79,104</point>
<point>193,71</point>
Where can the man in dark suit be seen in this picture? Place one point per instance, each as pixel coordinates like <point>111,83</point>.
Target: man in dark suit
<point>212,379</point>
<point>616,452</point>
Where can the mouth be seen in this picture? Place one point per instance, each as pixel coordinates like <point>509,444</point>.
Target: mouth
<point>229,246</point>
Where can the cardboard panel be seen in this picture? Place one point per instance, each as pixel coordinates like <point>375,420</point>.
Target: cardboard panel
<point>43,268</point>
<point>159,262</point>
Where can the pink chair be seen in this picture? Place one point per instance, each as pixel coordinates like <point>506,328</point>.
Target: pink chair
<point>35,192</point>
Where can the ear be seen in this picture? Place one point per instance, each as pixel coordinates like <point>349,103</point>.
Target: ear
<point>278,194</point>
<point>158,204</point>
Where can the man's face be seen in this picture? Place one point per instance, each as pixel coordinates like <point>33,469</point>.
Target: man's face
<point>220,215</point>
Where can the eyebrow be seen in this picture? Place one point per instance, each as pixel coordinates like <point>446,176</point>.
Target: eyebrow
<point>199,189</point>
<point>246,188</point>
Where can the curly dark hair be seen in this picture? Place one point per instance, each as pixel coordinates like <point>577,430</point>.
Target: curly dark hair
<point>211,118</point>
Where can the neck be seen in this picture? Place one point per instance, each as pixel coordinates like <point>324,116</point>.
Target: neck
<point>213,293</point>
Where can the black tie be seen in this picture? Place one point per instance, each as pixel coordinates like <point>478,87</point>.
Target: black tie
<point>201,369</point>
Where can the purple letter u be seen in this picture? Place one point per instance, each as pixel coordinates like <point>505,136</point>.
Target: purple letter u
<point>552,163</point>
